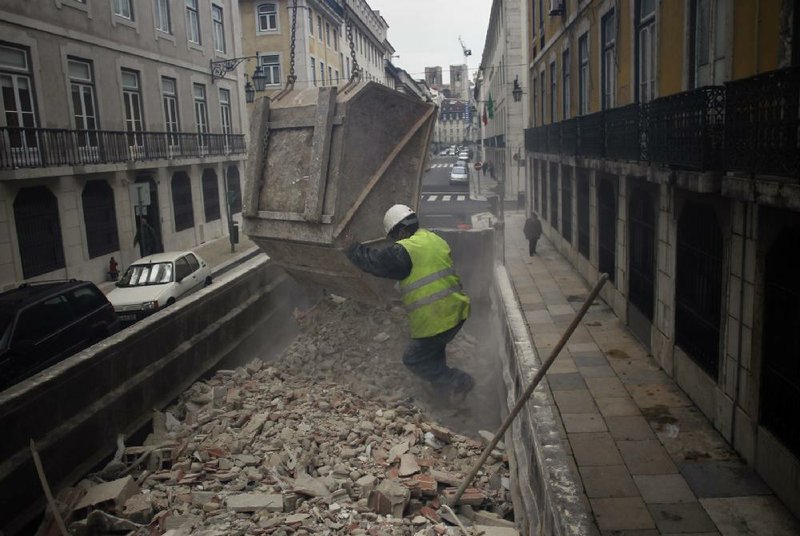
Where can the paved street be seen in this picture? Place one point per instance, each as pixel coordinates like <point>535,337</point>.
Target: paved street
<point>445,205</point>
<point>649,462</point>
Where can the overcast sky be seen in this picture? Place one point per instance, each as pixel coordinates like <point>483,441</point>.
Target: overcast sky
<point>425,32</point>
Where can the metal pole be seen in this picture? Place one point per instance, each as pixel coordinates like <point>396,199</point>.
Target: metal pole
<point>529,391</point>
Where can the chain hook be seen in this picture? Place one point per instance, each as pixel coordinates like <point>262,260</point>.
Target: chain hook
<point>291,78</point>
<point>355,74</point>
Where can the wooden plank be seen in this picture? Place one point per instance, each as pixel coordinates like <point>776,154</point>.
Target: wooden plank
<point>255,167</point>
<point>320,153</point>
<point>382,169</point>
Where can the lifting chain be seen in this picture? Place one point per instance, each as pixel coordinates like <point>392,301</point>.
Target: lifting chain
<point>292,78</point>
<point>355,75</point>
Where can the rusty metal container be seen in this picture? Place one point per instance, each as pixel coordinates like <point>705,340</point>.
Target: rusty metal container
<point>323,166</point>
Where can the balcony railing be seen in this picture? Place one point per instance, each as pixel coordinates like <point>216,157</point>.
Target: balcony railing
<point>750,125</point>
<point>44,147</point>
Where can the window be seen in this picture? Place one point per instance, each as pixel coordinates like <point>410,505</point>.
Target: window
<point>542,95</point>
<point>709,34</point>
<point>83,101</point>
<point>321,73</point>
<point>608,60</point>
<point>210,195</point>
<point>565,81</point>
<point>169,95</point>
<point>319,27</point>
<point>182,201</point>
<point>38,231</point>
<point>16,95</point>
<point>267,17</point>
<point>200,111</point>
<point>192,22</point>
<point>225,111</point>
<point>161,13</point>
<point>347,66</point>
<point>310,23</point>
<point>330,75</point>
<point>100,218</point>
<point>313,72</point>
<point>271,67</point>
<point>218,27</point>
<point>336,39</point>
<point>553,92</point>
<point>646,55</point>
<point>328,34</point>
<point>124,9</point>
<point>336,74</point>
<point>583,74</point>
<point>132,101</point>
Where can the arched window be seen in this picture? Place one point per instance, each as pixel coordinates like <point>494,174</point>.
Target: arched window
<point>182,201</point>
<point>210,194</point>
<point>698,286</point>
<point>38,231</point>
<point>234,190</point>
<point>267,17</point>
<point>100,218</point>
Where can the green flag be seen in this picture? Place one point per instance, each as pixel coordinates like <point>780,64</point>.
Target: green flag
<point>490,107</point>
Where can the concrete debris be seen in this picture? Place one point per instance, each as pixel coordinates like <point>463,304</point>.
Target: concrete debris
<point>315,442</point>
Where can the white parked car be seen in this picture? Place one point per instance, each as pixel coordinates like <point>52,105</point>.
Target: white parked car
<point>459,174</point>
<point>156,281</point>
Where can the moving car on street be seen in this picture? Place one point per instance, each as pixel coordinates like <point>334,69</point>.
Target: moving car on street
<point>459,174</point>
<point>156,281</point>
<point>44,323</point>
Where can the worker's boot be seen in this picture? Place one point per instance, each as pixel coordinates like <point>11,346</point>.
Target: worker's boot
<point>463,384</point>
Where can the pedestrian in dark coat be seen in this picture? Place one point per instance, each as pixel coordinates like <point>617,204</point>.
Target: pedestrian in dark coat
<point>532,231</point>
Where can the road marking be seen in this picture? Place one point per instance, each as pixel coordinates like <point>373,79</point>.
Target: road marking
<point>432,198</point>
<point>445,198</point>
<point>461,197</point>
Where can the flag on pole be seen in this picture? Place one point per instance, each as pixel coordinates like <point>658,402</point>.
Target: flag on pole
<point>490,105</point>
<point>485,118</point>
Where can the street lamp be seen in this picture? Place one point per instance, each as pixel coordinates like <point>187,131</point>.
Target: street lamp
<point>517,91</point>
<point>249,91</point>
<point>259,78</point>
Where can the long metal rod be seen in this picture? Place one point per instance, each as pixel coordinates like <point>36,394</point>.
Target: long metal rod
<point>37,462</point>
<point>529,391</point>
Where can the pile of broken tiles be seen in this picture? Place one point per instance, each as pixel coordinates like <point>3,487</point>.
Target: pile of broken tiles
<point>261,450</point>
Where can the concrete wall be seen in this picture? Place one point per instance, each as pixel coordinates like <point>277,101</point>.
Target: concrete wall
<point>75,409</point>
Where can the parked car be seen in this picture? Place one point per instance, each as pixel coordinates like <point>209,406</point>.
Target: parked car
<point>459,174</point>
<point>157,281</point>
<point>444,152</point>
<point>44,323</point>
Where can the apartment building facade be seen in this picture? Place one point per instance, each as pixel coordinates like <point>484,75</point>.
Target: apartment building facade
<point>662,149</point>
<point>110,111</point>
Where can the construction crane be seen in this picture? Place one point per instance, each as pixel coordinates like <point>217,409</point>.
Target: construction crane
<point>467,52</point>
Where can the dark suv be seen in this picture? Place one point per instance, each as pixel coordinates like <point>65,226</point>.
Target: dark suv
<point>43,323</point>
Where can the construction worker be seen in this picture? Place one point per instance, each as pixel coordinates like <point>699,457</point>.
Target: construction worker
<point>432,295</point>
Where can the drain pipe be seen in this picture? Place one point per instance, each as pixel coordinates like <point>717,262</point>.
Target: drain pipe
<point>741,328</point>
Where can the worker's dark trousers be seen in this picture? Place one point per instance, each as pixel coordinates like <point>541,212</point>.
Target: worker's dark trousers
<point>426,358</point>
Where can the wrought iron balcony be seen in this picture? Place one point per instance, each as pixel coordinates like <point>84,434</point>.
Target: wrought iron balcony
<point>46,147</point>
<point>750,125</point>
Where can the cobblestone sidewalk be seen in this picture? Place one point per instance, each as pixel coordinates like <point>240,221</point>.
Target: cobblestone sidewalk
<point>649,461</point>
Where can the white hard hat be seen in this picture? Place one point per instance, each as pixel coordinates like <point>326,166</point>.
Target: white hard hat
<point>395,215</point>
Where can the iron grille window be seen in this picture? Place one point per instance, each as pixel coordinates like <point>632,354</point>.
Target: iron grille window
<point>583,74</point>
<point>100,218</point>
<point>267,16</point>
<point>169,96</point>
<point>162,16</point>
<point>218,26</point>
<point>698,286</point>
<point>780,379</point>
<point>584,241</point>
<point>84,111</point>
<point>182,201</point>
<point>234,190</point>
<point>17,97</point>
<point>566,204</point>
<point>193,22</point>
<point>608,63</point>
<point>565,81</point>
<point>38,231</point>
<point>554,195</point>
<point>607,227</point>
<point>210,195</point>
<point>642,230</point>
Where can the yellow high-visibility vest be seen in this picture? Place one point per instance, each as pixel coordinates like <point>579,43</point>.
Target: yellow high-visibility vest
<point>432,293</point>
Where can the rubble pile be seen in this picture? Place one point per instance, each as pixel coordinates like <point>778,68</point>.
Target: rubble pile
<point>299,447</point>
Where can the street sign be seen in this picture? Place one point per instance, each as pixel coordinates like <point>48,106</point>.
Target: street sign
<point>478,165</point>
<point>140,193</point>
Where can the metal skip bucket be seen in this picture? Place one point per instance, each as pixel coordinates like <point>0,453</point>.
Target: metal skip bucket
<point>323,166</point>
